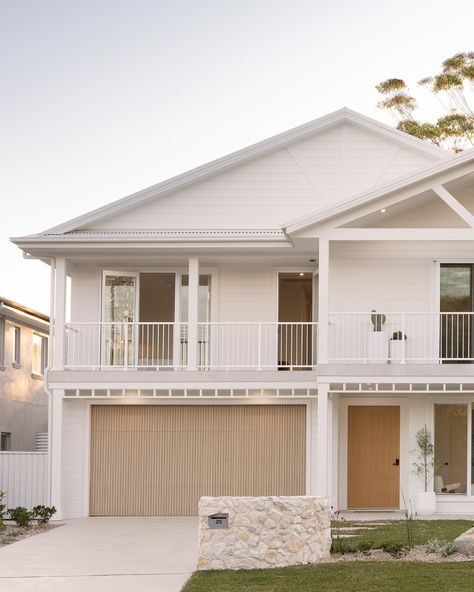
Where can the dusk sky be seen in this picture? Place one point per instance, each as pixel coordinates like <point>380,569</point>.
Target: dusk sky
<point>101,98</point>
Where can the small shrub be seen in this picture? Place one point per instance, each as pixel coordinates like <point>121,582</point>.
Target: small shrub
<point>338,545</point>
<point>365,546</point>
<point>351,548</point>
<point>43,514</point>
<point>2,509</point>
<point>448,549</point>
<point>434,545</point>
<point>392,547</point>
<point>21,516</point>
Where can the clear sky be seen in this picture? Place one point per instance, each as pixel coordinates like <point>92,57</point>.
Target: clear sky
<point>101,98</point>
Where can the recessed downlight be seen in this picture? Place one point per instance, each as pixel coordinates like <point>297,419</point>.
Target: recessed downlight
<point>383,210</point>
<point>301,273</point>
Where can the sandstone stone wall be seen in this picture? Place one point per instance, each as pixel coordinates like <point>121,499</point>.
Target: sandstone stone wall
<point>264,532</point>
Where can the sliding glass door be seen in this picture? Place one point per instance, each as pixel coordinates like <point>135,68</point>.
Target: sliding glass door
<point>456,306</point>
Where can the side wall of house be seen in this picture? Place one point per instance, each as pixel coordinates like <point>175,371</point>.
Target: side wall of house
<point>23,401</point>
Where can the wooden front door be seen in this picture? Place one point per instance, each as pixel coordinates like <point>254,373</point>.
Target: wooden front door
<point>373,479</point>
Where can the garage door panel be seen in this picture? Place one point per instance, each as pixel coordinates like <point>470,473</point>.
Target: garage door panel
<point>159,460</point>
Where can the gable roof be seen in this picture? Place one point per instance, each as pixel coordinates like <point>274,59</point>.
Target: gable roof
<point>241,156</point>
<point>366,197</point>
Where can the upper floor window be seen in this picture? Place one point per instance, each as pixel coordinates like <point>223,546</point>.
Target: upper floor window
<point>16,345</point>
<point>39,355</point>
<point>2,341</point>
<point>5,441</point>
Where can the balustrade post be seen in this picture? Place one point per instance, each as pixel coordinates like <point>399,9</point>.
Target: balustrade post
<point>323,301</point>
<point>259,347</point>
<point>193,299</point>
<point>59,318</point>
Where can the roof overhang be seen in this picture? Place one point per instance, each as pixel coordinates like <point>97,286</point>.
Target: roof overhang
<point>453,167</point>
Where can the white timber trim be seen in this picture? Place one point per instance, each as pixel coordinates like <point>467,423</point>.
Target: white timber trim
<point>454,204</point>
<point>323,301</point>
<point>59,313</point>
<point>322,444</point>
<point>401,234</point>
<point>55,452</point>
<point>193,306</point>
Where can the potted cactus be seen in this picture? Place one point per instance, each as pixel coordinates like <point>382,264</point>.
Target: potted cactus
<point>377,339</point>
<point>398,347</point>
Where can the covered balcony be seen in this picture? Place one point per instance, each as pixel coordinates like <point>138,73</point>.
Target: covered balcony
<point>353,338</point>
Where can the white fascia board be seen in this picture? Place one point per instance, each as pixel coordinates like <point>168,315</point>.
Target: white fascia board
<point>239,157</point>
<point>366,197</point>
<point>401,234</point>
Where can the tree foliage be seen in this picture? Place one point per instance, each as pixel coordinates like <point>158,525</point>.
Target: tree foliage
<point>454,87</point>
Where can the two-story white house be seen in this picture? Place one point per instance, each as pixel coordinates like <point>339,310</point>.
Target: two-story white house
<point>222,338</point>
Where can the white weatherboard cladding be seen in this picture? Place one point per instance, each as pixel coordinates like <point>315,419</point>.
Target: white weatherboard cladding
<point>74,459</point>
<point>247,294</point>
<point>293,181</point>
<point>85,294</point>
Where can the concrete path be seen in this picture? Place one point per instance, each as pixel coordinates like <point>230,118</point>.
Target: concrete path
<point>103,554</point>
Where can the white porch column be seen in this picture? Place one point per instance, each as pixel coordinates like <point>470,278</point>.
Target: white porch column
<point>59,313</point>
<point>193,299</point>
<point>55,428</point>
<point>322,433</point>
<point>323,302</point>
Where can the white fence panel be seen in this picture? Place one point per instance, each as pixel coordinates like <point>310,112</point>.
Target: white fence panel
<point>24,478</point>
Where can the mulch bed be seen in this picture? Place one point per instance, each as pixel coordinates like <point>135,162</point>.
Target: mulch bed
<point>417,554</point>
<point>12,533</point>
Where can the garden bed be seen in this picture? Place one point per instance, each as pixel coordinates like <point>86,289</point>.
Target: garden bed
<point>12,533</point>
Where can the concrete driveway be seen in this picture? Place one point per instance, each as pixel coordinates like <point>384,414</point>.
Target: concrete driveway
<point>103,554</point>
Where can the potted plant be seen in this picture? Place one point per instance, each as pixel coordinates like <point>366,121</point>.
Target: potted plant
<point>377,340</point>
<point>423,467</point>
<point>398,347</point>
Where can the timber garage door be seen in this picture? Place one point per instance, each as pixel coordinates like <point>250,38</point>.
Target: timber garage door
<point>158,460</point>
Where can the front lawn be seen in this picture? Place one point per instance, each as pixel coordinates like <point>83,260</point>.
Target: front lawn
<point>341,577</point>
<point>396,531</point>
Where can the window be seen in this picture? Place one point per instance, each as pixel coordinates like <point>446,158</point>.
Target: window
<point>451,446</point>
<point>40,353</point>
<point>5,441</point>
<point>2,342</point>
<point>16,345</point>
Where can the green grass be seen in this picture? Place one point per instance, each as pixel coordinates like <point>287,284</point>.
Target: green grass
<point>396,532</point>
<point>341,577</point>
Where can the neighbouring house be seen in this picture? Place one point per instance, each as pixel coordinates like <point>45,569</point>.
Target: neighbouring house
<point>222,337</point>
<point>23,360</point>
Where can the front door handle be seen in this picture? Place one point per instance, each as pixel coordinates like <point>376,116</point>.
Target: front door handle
<point>396,463</point>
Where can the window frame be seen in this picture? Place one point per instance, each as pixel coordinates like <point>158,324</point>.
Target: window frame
<point>42,361</point>
<point>16,353</point>
<point>8,438</point>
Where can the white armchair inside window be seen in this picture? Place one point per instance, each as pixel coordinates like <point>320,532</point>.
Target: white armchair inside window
<point>440,487</point>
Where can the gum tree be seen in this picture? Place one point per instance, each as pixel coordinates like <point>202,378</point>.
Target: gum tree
<point>453,86</point>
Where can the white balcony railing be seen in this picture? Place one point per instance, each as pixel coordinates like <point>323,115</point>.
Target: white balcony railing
<point>415,338</point>
<point>126,345</point>
<point>283,346</point>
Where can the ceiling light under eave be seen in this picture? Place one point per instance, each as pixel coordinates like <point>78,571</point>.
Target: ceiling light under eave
<point>383,210</point>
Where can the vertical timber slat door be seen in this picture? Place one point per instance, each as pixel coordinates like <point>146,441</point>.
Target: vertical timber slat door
<point>158,460</point>
<point>373,477</point>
